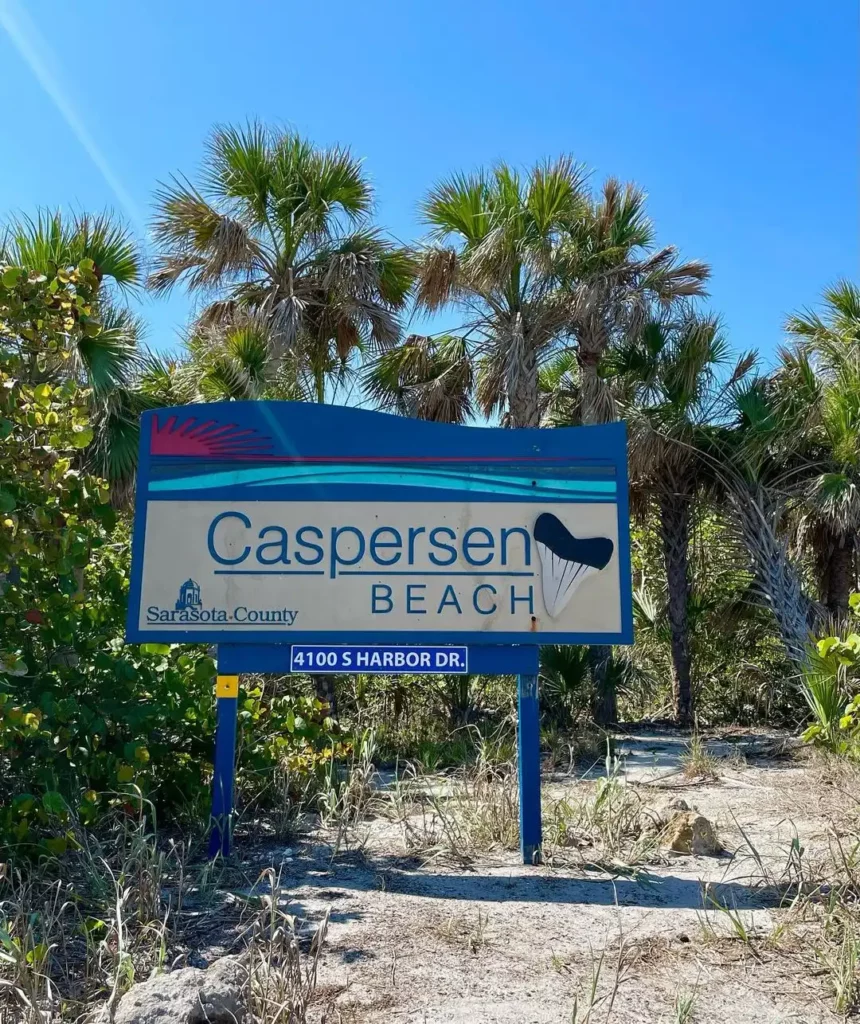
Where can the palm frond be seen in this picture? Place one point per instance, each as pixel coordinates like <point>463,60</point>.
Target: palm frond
<point>109,358</point>
<point>51,240</point>
<point>458,206</point>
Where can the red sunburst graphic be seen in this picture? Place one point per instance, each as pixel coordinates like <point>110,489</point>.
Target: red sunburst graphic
<point>207,439</point>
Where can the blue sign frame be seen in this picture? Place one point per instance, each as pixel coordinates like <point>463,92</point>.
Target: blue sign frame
<point>523,662</point>
<point>289,451</point>
<point>245,452</point>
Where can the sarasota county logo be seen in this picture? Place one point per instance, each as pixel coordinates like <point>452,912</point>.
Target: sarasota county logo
<point>189,596</point>
<point>566,561</point>
<point>188,610</point>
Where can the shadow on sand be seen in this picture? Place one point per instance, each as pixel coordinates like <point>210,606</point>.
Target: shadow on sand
<point>646,890</point>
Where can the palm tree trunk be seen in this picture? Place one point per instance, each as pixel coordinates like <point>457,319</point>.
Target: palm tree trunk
<point>591,344</point>
<point>326,693</point>
<point>840,580</point>
<point>605,707</point>
<point>675,537</point>
<point>319,385</point>
<point>596,401</point>
<point>523,396</point>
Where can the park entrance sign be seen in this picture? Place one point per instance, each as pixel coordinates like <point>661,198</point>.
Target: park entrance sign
<point>316,538</point>
<point>273,522</point>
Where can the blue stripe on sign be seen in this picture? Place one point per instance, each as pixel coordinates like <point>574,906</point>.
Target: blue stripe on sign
<point>319,659</point>
<point>265,477</point>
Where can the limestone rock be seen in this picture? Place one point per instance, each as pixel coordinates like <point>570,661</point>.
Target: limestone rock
<point>677,805</point>
<point>663,813</point>
<point>187,996</point>
<point>689,832</point>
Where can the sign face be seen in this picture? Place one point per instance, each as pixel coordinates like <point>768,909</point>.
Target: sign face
<point>315,659</point>
<point>281,522</point>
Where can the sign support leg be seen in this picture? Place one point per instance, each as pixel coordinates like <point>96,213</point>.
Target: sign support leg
<point>227,699</point>
<point>528,759</point>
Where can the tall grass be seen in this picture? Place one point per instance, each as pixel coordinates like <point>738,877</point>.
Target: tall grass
<point>106,921</point>
<point>460,815</point>
<point>604,824</point>
<point>281,978</point>
<point>76,935</point>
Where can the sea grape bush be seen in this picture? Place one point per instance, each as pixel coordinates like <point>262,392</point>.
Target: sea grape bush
<point>89,724</point>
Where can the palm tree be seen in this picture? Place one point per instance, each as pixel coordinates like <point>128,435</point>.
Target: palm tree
<point>427,378</point>
<point>614,279</point>
<point>565,686</point>
<point>104,357</point>
<point>671,385</point>
<point>154,382</point>
<point>821,380</point>
<point>278,229</point>
<point>560,391</point>
<point>231,362</point>
<point>221,363</point>
<point>492,252</point>
<point>836,330</point>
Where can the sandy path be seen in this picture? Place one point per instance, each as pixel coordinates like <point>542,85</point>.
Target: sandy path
<point>501,942</point>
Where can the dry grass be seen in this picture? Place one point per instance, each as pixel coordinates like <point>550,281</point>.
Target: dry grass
<point>106,922</point>
<point>595,996</point>
<point>470,932</point>
<point>458,816</point>
<point>281,978</point>
<point>697,763</point>
<point>71,946</point>
<point>348,795</point>
<point>607,827</point>
<point>475,810</point>
<point>74,937</point>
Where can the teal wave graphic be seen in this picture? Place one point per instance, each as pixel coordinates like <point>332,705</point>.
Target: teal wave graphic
<point>258,478</point>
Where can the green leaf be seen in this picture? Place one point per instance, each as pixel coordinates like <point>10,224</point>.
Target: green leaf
<point>57,845</point>
<point>11,276</point>
<point>82,436</point>
<point>7,501</point>
<point>854,602</point>
<point>162,649</point>
<point>53,803</point>
<point>826,645</point>
<point>38,953</point>
<point>42,394</point>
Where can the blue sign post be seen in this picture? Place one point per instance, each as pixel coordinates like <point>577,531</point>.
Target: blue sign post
<point>310,539</point>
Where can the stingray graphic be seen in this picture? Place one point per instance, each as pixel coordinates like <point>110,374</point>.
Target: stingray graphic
<point>566,560</point>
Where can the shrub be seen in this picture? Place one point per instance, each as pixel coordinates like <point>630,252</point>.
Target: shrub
<point>830,675</point>
<point>88,722</point>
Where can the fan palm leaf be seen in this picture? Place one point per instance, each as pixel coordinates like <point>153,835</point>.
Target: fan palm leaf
<point>277,230</point>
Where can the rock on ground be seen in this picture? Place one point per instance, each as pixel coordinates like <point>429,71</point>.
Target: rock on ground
<point>689,832</point>
<point>187,996</point>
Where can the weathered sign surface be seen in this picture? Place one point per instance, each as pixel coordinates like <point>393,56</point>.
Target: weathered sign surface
<point>283,522</point>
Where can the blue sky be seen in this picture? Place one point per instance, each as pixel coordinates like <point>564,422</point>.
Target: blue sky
<point>739,118</point>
